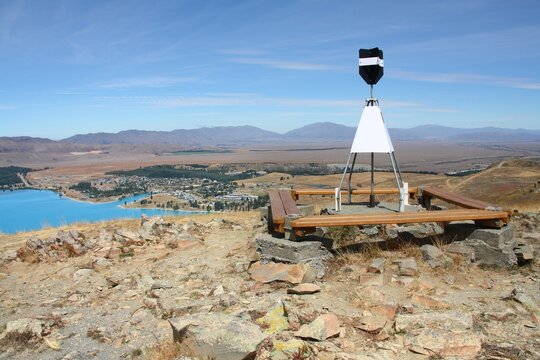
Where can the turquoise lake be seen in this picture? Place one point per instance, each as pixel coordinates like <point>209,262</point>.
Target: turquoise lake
<point>25,210</point>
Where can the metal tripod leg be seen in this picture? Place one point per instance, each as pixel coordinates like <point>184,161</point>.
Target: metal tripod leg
<point>349,195</point>
<point>397,166</point>
<point>343,179</point>
<point>372,194</point>
<point>399,186</point>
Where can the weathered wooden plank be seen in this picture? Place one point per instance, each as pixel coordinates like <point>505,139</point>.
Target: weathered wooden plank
<point>456,199</point>
<point>289,204</point>
<point>398,218</point>
<point>278,211</point>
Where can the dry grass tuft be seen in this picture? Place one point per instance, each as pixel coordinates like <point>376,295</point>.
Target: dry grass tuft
<point>344,258</point>
<point>494,351</point>
<point>370,251</point>
<point>170,350</point>
<point>97,335</point>
<point>30,257</point>
<point>362,254</point>
<point>163,351</point>
<point>410,249</point>
<point>439,242</point>
<point>53,320</point>
<point>18,341</point>
<point>342,235</point>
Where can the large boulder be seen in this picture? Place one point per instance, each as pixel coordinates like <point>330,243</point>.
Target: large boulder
<point>217,335</point>
<point>489,255</point>
<point>492,247</point>
<point>313,253</point>
<point>64,244</point>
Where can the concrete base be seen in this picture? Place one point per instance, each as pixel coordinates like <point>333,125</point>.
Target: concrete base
<point>414,231</point>
<point>493,247</point>
<point>380,207</point>
<point>498,238</point>
<point>313,253</point>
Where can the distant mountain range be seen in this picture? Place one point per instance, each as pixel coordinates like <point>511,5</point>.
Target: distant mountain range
<point>229,136</point>
<point>23,144</point>
<point>317,132</point>
<point>214,136</point>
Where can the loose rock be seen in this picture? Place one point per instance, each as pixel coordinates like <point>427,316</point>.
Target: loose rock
<point>304,289</point>
<point>372,324</point>
<point>292,273</point>
<point>407,267</point>
<point>435,257</point>
<point>275,320</point>
<point>443,343</point>
<point>377,266</point>
<point>323,327</point>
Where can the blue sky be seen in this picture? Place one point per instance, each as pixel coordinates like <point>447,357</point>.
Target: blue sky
<point>69,67</point>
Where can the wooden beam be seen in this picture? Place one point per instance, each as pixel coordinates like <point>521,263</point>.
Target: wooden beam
<point>288,203</point>
<point>278,211</point>
<point>443,216</point>
<point>456,199</point>
<point>281,205</point>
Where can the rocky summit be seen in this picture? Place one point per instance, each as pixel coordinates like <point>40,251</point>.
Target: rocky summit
<point>208,287</point>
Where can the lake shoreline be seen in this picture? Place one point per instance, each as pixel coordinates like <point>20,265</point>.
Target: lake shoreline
<point>34,209</point>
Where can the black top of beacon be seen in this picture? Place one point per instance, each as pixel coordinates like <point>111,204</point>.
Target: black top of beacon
<point>371,65</point>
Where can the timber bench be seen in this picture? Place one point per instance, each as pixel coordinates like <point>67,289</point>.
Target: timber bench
<point>306,225</point>
<point>282,204</point>
<point>427,193</point>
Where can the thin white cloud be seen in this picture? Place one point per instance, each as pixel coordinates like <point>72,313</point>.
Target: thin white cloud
<point>150,82</point>
<point>283,64</point>
<point>250,100</point>
<point>506,44</point>
<point>463,78</point>
<point>229,99</point>
<point>6,107</point>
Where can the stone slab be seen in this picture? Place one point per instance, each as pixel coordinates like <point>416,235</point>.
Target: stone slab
<point>488,255</point>
<point>285,250</point>
<point>291,273</point>
<point>494,237</point>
